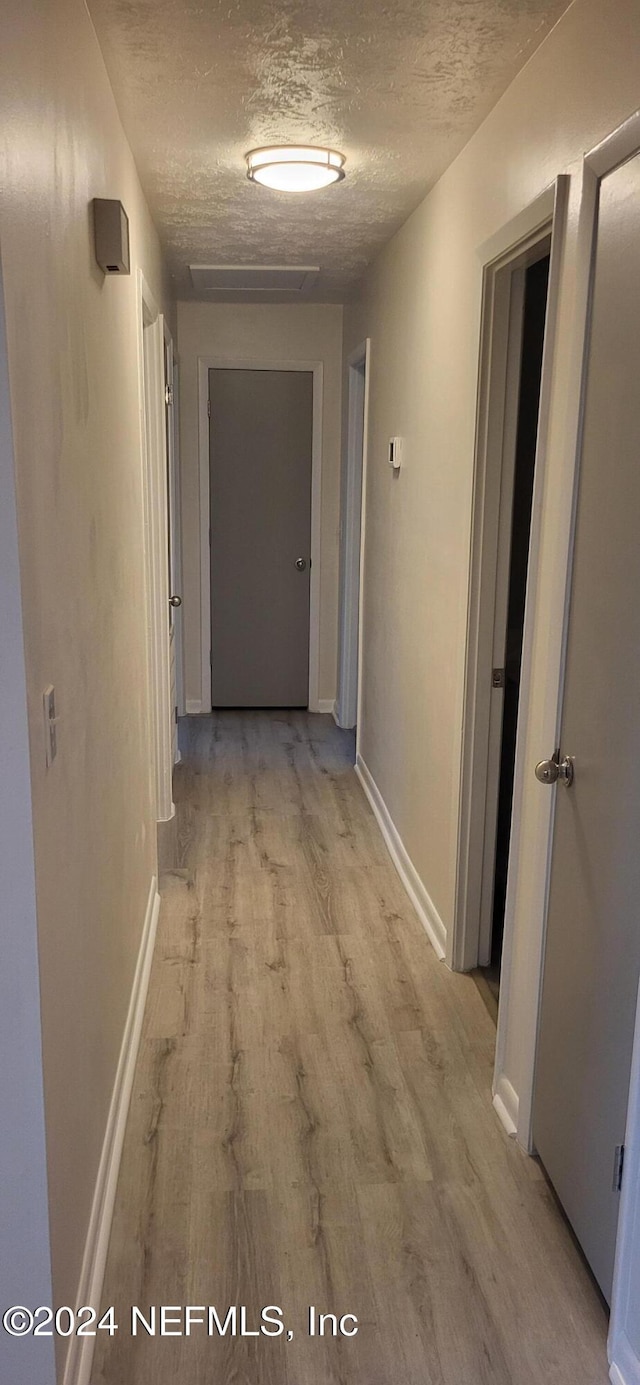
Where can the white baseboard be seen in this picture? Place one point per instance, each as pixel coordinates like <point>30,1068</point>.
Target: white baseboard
<point>338,719</point>
<point>506,1104</point>
<point>416,890</point>
<point>626,1370</point>
<point>80,1355</point>
<point>192,708</point>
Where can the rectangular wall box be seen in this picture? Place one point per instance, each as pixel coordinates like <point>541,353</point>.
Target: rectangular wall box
<point>111,232</point>
<point>395,453</point>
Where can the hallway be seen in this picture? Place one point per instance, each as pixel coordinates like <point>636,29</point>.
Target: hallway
<point>311,1120</point>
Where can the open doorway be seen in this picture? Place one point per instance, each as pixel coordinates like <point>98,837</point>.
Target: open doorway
<point>516,348</point>
<point>530,289</point>
<point>351,526</point>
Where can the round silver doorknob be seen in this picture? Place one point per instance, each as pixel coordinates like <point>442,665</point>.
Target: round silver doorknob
<point>301,564</point>
<point>547,771</point>
<point>550,771</point>
<point>175,600</point>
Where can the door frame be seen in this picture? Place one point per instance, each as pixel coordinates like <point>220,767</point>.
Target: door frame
<point>544,652</point>
<point>352,536</point>
<point>504,260</point>
<point>155,499</point>
<point>315,368</point>
<point>175,515</point>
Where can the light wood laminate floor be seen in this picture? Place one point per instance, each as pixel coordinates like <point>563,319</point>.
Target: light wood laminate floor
<point>311,1120</point>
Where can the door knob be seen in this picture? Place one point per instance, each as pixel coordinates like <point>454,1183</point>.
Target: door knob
<point>301,564</point>
<point>549,771</point>
<point>175,600</point>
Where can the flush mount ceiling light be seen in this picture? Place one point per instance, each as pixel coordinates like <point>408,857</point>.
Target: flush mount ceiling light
<point>295,167</point>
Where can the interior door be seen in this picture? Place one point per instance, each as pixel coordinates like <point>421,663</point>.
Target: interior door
<point>260,447</point>
<point>173,542</point>
<point>592,959</point>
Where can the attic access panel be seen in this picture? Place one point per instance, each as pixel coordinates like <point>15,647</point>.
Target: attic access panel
<point>253,278</point>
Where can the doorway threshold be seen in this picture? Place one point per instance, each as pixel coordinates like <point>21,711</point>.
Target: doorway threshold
<point>487,980</point>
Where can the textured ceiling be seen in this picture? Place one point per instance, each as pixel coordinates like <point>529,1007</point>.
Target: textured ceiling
<point>398,87</point>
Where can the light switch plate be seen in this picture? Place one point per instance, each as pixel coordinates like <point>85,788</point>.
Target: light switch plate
<point>50,719</point>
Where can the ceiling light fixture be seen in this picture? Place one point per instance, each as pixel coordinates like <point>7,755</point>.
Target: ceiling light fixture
<point>295,168</point>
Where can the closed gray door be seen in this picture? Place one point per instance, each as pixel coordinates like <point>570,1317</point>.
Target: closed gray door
<point>592,959</point>
<point>260,437</point>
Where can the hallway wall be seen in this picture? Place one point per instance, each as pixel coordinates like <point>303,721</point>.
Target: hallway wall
<point>421,307</point>
<point>269,332</point>
<point>73,367</point>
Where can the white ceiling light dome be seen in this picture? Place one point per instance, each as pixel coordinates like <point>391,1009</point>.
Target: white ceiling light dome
<point>295,167</point>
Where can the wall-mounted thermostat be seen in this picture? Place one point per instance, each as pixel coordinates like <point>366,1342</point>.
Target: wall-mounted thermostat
<point>395,453</point>
<point>111,230</point>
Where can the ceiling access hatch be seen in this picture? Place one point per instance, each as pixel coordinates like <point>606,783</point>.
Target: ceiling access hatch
<point>253,278</point>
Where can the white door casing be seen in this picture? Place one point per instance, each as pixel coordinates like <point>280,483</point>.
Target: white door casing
<point>351,535</point>
<point>153,434</point>
<point>503,261</point>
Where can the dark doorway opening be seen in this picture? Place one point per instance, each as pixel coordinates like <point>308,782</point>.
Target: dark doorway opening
<point>535,308</point>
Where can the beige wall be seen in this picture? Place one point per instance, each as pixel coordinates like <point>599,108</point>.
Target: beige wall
<point>73,365</point>
<point>264,332</point>
<point>421,308</point>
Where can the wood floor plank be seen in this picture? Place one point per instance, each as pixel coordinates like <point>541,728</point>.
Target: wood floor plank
<point>438,1327</point>
<point>311,1119</point>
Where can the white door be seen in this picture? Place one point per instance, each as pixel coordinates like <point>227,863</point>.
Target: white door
<point>592,957</point>
<point>173,538</point>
